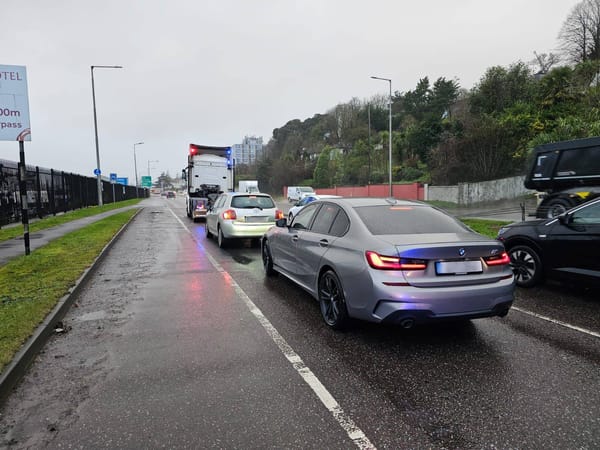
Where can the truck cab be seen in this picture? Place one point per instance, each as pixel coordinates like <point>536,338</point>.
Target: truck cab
<point>565,173</point>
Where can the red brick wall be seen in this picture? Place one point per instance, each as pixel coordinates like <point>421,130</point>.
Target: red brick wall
<point>412,191</point>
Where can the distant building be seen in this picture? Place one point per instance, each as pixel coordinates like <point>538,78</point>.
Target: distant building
<point>248,151</point>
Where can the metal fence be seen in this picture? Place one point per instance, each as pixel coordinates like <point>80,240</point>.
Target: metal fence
<point>51,191</point>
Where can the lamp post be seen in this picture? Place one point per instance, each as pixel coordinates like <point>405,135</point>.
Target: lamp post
<point>98,171</point>
<point>390,137</point>
<point>151,161</point>
<point>137,195</point>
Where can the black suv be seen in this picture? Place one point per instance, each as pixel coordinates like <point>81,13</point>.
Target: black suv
<point>567,246</point>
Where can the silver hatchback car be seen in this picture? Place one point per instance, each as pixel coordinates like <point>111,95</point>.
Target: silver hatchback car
<point>387,260</point>
<point>238,215</point>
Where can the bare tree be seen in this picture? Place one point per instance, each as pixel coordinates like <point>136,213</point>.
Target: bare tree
<point>580,33</point>
<point>543,62</point>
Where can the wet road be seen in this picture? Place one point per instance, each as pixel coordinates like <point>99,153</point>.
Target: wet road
<point>177,343</point>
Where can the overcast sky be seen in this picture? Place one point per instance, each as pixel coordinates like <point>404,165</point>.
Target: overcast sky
<point>212,72</point>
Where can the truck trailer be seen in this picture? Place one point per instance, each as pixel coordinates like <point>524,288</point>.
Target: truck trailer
<point>208,173</point>
<point>565,173</point>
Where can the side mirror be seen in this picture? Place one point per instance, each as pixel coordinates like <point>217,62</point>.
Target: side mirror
<point>281,223</point>
<point>565,219</point>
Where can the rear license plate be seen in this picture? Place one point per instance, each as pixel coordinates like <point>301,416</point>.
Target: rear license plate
<point>257,219</point>
<point>457,267</point>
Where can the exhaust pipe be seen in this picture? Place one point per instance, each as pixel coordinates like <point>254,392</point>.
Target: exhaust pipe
<point>407,323</point>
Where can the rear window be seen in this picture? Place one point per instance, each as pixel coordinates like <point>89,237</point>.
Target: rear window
<point>252,201</point>
<point>407,219</point>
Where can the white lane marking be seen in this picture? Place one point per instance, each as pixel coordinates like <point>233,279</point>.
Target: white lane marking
<point>344,420</point>
<point>557,322</point>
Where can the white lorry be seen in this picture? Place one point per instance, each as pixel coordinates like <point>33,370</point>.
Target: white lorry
<point>248,186</point>
<point>209,172</point>
<point>295,193</point>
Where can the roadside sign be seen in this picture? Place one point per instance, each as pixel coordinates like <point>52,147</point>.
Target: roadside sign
<point>97,172</point>
<point>123,180</point>
<point>14,104</point>
<point>146,181</point>
<point>113,177</point>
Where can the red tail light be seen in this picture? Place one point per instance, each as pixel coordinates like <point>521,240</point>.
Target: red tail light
<point>497,260</point>
<point>383,262</point>
<point>229,214</point>
<point>279,214</point>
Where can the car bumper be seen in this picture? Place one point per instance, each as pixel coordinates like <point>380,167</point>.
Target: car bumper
<point>395,304</point>
<point>233,230</point>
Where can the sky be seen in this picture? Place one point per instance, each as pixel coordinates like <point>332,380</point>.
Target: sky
<point>212,72</point>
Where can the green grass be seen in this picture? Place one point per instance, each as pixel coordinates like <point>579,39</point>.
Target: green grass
<point>486,227</point>
<point>51,221</point>
<point>30,286</point>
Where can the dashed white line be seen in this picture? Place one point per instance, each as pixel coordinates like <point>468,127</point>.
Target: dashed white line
<point>557,322</point>
<point>344,420</point>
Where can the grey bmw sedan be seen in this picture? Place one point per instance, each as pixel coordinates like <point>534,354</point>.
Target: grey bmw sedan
<point>389,260</point>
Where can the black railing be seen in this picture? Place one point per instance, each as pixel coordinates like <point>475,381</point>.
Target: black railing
<point>50,192</point>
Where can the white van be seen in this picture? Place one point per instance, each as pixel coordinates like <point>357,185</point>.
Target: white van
<point>295,193</point>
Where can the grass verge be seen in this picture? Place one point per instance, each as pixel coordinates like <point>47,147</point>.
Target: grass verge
<point>486,227</point>
<point>30,286</point>
<point>51,221</point>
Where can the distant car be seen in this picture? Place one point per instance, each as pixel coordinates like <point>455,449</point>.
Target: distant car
<point>305,201</point>
<point>236,215</point>
<point>566,247</point>
<point>296,193</point>
<point>388,260</point>
<point>170,194</point>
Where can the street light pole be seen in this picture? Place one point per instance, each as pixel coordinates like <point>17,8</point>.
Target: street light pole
<point>390,137</point>
<point>151,161</point>
<point>137,195</point>
<point>98,171</point>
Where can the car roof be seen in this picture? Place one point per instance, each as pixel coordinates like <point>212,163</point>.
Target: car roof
<point>248,194</point>
<point>373,201</point>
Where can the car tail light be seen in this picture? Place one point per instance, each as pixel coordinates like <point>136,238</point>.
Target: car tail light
<point>383,262</point>
<point>229,214</point>
<point>279,214</point>
<point>497,260</point>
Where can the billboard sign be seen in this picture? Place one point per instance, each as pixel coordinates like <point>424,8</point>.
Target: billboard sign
<point>146,181</point>
<point>14,104</point>
<point>123,180</point>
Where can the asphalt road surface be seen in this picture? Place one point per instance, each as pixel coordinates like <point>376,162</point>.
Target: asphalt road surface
<point>175,343</point>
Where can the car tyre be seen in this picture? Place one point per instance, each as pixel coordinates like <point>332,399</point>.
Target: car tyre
<point>526,265</point>
<point>332,301</point>
<point>557,207</point>
<point>267,259</point>
<point>207,231</point>
<point>222,241</point>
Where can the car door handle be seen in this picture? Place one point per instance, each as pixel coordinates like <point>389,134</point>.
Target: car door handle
<point>294,238</point>
<point>323,243</point>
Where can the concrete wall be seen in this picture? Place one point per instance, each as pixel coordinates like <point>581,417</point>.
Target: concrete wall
<point>462,194</point>
<point>485,191</point>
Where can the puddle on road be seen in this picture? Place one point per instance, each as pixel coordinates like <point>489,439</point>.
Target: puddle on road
<point>242,259</point>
